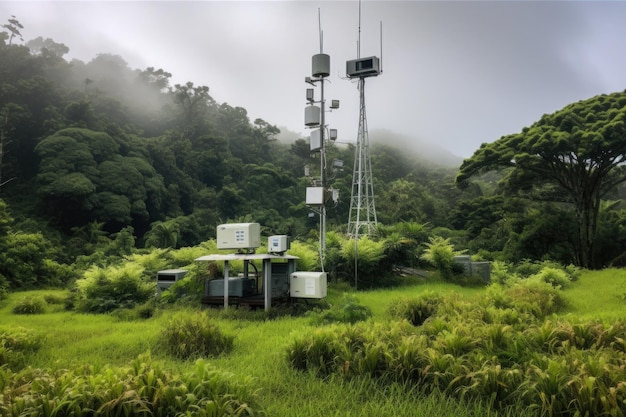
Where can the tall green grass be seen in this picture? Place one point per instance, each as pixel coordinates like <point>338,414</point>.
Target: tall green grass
<point>72,340</point>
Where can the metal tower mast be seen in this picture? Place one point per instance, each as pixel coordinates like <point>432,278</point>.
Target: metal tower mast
<point>362,219</point>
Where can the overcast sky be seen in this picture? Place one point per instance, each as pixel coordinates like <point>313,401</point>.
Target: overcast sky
<point>456,74</point>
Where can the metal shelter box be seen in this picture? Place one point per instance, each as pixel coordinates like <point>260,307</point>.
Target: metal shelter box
<point>167,277</point>
<point>308,284</point>
<point>237,287</point>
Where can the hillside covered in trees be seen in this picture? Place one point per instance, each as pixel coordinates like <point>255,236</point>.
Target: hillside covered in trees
<point>99,155</point>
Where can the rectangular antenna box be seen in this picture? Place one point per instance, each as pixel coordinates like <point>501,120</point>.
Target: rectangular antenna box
<point>315,196</point>
<point>238,236</point>
<point>363,67</point>
<point>167,277</point>
<point>307,284</point>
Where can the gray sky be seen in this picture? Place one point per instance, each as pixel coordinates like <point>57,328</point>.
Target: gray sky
<point>456,74</point>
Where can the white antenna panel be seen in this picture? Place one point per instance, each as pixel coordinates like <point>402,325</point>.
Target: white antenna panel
<point>321,65</point>
<point>316,140</point>
<point>312,116</point>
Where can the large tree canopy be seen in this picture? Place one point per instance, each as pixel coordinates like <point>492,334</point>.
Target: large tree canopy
<point>575,155</point>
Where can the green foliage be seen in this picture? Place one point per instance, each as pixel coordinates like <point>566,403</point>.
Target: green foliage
<point>15,347</point>
<point>105,289</point>
<point>440,253</point>
<point>370,257</point>
<point>477,353</point>
<point>309,258</point>
<point>416,310</point>
<point>27,262</point>
<point>193,335</point>
<point>573,155</point>
<point>30,305</point>
<point>555,277</point>
<point>143,388</point>
<point>348,310</point>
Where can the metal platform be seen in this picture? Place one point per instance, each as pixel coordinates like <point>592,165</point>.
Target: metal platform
<point>265,299</point>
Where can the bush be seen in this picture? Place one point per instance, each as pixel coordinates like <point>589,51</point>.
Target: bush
<point>16,345</point>
<point>416,310</point>
<point>349,310</point>
<point>558,278</point>
<point>440,253</point>
<point>105,289</point>
<point>30,305</point>
<point>144,388</point>
<point>537,298</point>
<point>188,336</point>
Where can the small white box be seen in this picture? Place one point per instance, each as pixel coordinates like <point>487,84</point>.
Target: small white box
<point>315,196</point>
<point>307,284</point>
<point>315,141</point>
<point>278,244</point>
<point>238,236</point>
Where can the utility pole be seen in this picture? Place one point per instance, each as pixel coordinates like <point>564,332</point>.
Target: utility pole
<point>318,194</point>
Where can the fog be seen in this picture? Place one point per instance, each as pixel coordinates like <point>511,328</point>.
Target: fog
<point>455,74</point>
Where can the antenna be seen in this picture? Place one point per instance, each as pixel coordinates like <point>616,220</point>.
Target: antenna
<point>358,42</point>
<point>321,32</point>
<point>381,46</point>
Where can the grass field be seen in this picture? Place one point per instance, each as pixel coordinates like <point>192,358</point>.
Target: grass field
<point>73,340</point>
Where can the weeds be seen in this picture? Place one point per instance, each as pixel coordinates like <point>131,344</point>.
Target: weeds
<point>193,335</point>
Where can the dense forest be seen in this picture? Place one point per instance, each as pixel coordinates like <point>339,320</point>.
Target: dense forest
<point>99,159</point>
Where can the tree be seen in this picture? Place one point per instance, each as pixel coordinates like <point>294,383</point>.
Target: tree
<point>13,27</point>
<point>575,155</point>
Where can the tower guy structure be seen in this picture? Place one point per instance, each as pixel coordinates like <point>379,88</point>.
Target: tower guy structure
<point>362,219</point>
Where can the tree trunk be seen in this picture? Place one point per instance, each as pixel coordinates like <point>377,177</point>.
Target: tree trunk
<point>587,207</point>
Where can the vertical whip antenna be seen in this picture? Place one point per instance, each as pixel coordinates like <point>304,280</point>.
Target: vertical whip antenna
<point>381,46</point>
<point>319,23</point>
<point>358,42</point>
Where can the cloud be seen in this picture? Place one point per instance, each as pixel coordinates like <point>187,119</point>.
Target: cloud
<point>456,73</point>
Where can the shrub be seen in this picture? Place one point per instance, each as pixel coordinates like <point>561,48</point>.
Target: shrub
<point>16,345</point>
<point>537,298</point>
<point>187,336</point>
<point>416,310</point>
<point>30,305</point>
<point>502,274</point>
<point>558,278</point>
<point>104,289</point>
<point>349,310</point>
<point>440,253</point>
<point>142,389</point>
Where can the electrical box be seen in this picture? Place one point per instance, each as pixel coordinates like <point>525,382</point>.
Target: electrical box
<point>168,277</point>
<point>238,236</point>
<point>307,284</point>
<point>237,287</point>
<point>363,67</point>
<point>278,244</point>
<point>315,196</point>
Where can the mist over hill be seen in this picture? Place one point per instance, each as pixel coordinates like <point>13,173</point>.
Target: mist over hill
<point>421,150</point>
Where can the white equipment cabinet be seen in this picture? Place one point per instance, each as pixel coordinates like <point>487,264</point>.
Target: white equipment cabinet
<point>304,284</point>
